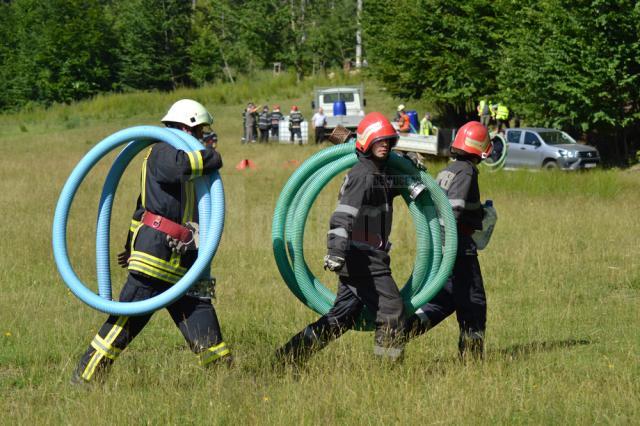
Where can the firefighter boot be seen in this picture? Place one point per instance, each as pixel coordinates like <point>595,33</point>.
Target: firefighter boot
<point>415,326</point>
<point>311,339</point>
<point>79,375</point>
<point>389,343</point>
<point>471,344</point>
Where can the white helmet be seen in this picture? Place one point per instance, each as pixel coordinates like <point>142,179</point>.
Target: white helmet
<point>400,107</point>
<point>188,112</point>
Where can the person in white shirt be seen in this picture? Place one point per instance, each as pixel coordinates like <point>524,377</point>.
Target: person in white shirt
<point>319,122</point>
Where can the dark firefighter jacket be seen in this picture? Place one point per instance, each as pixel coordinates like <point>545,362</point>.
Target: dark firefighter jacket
<point>167,189</point>
<point>295,118</point>
<point>276,116</point>
<point>263,121</point>
<point>360,225</point>
<point>459,180</point>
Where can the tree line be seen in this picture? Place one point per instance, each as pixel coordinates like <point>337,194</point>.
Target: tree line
<point>66,50</point>
<point>572,64</point>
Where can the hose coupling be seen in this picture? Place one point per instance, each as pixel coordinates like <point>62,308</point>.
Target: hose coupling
<point>415,189</point>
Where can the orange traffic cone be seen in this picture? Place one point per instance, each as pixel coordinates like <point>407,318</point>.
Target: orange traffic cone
<point>290,164</point>
<point>246,164</point>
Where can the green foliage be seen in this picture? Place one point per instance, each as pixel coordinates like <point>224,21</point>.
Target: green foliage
<point>154,37</point>
<point>574,64</point>
<point>61,51</point>
<point>434,49</point>
<point>65,50</point>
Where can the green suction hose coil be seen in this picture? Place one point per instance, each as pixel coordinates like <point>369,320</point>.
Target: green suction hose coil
<point>495,163</point>
<point>433,261</point>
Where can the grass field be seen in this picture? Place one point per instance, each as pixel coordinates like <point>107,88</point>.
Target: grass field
<point>562,275</point>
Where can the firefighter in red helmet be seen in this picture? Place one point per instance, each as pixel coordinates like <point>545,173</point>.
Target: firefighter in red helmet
<point>358,251</point>
<point>464,291</point>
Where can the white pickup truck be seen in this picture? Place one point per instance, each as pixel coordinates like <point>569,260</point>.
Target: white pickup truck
<point>354,103</point>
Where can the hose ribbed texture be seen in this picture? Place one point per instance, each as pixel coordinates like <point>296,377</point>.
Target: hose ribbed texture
<point>210,196</point>
<point>432,265</point>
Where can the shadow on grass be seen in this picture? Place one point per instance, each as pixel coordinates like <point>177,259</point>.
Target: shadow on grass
<point>512,353</point>
<point>524,350</point>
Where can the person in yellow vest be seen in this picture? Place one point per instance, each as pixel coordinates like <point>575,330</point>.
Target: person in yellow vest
<point>426,126</point>
<point>484,112</point>
<point>502,116</point>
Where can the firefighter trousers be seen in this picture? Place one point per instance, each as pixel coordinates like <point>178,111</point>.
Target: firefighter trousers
<point>379,294</point>
<point>196,319</point>
<point>463,294</point>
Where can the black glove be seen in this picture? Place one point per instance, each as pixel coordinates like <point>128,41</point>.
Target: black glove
<point>413,157</point>
<point>123,258</point>
<point>182,247</point>
<point>333,263</point>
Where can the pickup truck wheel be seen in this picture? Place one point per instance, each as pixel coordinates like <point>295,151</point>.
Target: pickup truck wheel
<point>550,165</point>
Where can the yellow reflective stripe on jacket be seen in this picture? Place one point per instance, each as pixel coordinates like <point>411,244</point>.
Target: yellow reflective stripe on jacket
<point>133,227</point>
<point>153,272</point>
<point>215,352</point>
<point>157,262</point>
<point>189,203</point>
<point>143,177</point>
<point>108,341</point>
<point>156,268</point>
<point>197,164</point>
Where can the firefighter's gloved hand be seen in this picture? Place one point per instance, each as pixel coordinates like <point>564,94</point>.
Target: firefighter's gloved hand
<point>333,263</point>
<point>413,157</point>
<point>123,258</point>
<point>182,247</point>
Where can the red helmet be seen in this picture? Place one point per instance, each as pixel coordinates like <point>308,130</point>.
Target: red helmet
<point>473,138</point>
<point>294,108</point>
<point>374,127</point>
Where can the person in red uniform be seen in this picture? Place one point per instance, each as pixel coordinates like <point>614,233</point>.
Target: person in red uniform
<point>358,251</point>
<point>158,256</point>
<point>464,291</point>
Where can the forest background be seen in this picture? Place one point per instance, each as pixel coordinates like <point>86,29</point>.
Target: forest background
<point>573,65</point>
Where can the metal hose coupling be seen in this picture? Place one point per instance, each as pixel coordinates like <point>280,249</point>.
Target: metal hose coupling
<point>415,189</point>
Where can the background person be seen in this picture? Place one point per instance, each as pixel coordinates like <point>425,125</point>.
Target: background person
<point>161,246</point>
<point>264,123</point>
<point>502,116</point>
<point>464,292</point>
<point>426,126</point>
<point>357,250</point>
<point>319,121</point>
<point>251,122</point>
<point>276,117</point>
<point>484,112</point>
<point>402,120</point>
<point>295,124</point>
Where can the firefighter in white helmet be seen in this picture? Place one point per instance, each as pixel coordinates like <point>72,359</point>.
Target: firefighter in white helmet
<point>161,246</point>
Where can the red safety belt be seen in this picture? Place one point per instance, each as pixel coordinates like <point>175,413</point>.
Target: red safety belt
<point>162,224</point>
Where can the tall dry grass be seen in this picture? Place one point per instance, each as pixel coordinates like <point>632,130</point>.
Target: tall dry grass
<point>562,276</point>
